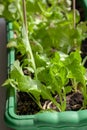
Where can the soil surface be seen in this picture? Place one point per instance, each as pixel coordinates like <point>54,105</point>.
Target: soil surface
<point>26,106</point>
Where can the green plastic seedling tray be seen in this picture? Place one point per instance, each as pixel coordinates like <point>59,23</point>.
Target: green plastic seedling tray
<point>68,120</point>
<point>47,120</point>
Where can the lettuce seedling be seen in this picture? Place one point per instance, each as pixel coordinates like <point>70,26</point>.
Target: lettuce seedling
<point>49,49</point>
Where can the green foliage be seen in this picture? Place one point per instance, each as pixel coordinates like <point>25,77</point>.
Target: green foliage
<point>9,9</point>
<point>46,49</point>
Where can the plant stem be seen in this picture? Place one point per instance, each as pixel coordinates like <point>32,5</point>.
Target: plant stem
<point>29,52</point>
<point>56,104</point>
<point>74,13</point>
<point>74,83</point>
<point>24,13</point>
<point>36,101</point>
<point>84,60</point>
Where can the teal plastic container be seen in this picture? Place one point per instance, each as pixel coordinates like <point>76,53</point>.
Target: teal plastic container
<point>68,120</point>
<point>47,120</point>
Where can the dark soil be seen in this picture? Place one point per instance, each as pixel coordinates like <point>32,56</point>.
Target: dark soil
<point>26,106</point>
